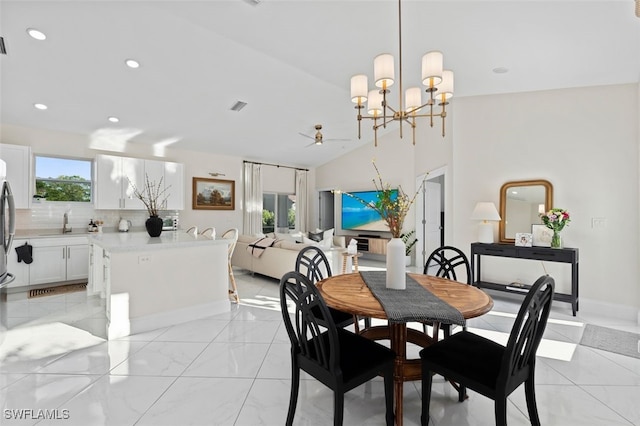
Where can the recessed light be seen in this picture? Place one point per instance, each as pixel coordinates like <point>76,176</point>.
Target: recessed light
<point>131,63</point>
<point>501,70</point>
<point>37,34</point>
<point>113,119</point>
<point>40,106</point>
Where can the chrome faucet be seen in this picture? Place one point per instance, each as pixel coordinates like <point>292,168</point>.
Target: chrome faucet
<point>65,224</point>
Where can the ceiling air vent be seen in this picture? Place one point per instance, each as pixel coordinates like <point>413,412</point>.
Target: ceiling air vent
<point>3,48</point>
<point>238,106</point>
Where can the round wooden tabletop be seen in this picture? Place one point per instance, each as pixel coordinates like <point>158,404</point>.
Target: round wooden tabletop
<point>349,293</point>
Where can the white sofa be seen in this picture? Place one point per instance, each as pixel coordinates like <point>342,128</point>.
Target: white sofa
<point>279,259</point>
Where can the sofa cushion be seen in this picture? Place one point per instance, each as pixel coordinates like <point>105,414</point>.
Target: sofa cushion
<point>323,244</point>
<point>288,245</point>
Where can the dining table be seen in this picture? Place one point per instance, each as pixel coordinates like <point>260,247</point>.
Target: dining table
<point>350,293</point>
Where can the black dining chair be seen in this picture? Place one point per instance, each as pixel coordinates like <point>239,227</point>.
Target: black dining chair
<point>446,262</point>
<point>341,360</point>
<point>489,368</point>
<point>313,264</point>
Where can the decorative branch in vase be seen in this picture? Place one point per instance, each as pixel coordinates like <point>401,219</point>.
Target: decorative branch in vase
<point>154,197</point>
<point>392,205</point>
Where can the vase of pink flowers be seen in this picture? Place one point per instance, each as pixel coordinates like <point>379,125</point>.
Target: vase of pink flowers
<point>556,220</point>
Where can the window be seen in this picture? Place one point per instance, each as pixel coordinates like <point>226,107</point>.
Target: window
<point>278,212</point>
<point>63,179</point>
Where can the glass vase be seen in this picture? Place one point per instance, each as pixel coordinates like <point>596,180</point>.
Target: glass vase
<point>556,240</point>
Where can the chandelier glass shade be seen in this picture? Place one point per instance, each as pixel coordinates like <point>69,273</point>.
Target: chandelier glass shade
<point>437,81</point>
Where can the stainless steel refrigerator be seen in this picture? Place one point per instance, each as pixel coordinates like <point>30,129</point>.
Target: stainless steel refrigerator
<point>7,230</point>
<point>7,224</point>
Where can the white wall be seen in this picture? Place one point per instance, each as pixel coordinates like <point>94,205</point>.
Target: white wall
<point>585,141</point>
<point>74,145</point>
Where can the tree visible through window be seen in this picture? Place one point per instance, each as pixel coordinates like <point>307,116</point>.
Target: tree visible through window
<point>63,179</point>
<point>279,212</point>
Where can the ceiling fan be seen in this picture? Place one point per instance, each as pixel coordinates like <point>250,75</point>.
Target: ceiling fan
<point>318,138</point>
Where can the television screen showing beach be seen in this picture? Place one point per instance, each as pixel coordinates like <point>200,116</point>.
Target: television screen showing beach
<point>356,216</point>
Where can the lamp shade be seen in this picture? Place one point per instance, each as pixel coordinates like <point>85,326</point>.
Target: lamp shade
<point>432,68</point>
<point>485,211</point>
<point>413,98</point>
<point>445,90</point>
<point>374,103</point>
<point>383,70</point>
<point>359,88</point>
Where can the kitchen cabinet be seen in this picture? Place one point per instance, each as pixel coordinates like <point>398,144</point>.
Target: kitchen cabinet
<point>98,268</point>
<point>18,159</point>
<point>19,269</point>
<point>114,178</point>
<point>114,174</point>
<point>174,180</point>
<point>172,175</point>
<point>59,259</point>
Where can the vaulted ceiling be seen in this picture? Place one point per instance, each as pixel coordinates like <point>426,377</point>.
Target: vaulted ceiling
<point>290,61</point>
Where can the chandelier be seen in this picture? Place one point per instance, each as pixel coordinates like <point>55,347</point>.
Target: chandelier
<point>438,84</point>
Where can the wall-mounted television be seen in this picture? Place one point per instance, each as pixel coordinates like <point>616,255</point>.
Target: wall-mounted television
<point>358,217</point>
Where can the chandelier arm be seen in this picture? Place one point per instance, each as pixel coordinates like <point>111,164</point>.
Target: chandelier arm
<point>400,60</point>
<point>377,126</point>
<point>413,130</point>
<point>392,110</point>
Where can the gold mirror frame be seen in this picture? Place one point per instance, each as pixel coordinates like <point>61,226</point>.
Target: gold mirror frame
<point>548,202</point>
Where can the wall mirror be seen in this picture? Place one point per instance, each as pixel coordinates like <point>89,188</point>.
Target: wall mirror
<point>521,202</point>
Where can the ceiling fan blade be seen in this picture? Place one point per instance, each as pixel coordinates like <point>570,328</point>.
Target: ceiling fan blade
<point>337,140</point>
<point>312,144</point>
<point>306,136</point>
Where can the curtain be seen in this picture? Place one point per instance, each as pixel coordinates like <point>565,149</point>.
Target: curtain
<point>252,217</point>
<point>302,199</point>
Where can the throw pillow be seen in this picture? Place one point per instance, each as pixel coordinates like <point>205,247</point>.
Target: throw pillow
<point>316,236</point>
<point>326,243</point>
<point>327,234</point>
<point>306,240</point>
<point>287,237</point>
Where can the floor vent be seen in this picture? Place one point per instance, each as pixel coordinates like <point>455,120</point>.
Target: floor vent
<point>50,291</point>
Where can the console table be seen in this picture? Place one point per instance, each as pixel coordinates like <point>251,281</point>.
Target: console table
<point>565,255</point>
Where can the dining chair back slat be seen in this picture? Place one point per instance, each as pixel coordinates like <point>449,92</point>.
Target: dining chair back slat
<point>339,359</point>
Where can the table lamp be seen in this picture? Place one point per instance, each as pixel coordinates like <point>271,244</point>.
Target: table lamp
<point>486,212</point>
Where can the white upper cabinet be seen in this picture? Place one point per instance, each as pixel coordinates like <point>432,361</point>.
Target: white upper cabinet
<point>114,173</point>
<point>174,182</point>
<point>114,176</point>
<point>172,175</point>
<point>18,159</point>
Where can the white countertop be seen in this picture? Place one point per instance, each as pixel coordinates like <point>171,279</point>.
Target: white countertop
<point>135,241</point>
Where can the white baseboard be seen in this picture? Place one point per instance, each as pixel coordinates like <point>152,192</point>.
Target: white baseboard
<point>166,319</point>
<point>610,310</point>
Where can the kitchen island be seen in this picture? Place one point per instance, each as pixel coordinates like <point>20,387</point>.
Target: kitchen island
<point>149,283</point>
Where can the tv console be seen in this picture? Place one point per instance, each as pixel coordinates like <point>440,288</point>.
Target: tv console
<point>369,244</point>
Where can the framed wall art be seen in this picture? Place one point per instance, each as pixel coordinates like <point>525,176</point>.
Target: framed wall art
<point>541,235</point>
<point>213,194</point>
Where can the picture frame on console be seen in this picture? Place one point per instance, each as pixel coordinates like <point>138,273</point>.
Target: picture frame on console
<point>213,194</point>
<point>541,235</point>
<point>524,239</point>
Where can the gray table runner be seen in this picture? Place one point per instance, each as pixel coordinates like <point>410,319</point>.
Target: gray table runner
<point>415,303</point>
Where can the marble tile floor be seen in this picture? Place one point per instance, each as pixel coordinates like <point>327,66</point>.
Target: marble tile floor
<point>233,369</point>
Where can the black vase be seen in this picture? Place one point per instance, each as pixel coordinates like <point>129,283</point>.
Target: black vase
<point>154,226</point>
